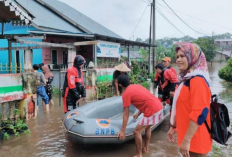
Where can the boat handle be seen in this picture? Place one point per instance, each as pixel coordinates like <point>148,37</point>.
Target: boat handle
<point>78,121</point>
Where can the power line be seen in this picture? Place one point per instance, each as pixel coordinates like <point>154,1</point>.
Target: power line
<point>183,20</point>
<point>168,20</point>
<point>188,21</point>
<point>196,18</point>
<point>138,22</point>
<point>145,1</point>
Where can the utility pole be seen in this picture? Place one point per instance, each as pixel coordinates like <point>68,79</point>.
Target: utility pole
<point>154,48</point>
<point>212,50</point>
<point>149,51</point>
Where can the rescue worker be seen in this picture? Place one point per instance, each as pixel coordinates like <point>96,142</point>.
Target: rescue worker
<point>74,88</point>
<point>167,82</point>
<point>166,61</point>
<point>167,64</point>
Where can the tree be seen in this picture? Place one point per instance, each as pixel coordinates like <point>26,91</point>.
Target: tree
<point>208,47</point>
<point>139,40</point>
<point>226,72</point>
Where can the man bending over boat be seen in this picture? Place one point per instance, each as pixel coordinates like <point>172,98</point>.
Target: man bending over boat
<point>147,104</point>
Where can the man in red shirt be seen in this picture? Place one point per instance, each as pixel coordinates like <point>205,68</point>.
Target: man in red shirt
<point>147,104</point>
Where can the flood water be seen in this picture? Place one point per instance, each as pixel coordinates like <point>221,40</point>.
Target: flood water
<point>47,137</point>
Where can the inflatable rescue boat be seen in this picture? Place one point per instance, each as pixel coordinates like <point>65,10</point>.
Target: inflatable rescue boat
<point>99,122</point>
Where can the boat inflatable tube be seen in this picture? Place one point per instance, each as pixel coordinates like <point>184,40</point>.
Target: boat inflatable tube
<point>99,122</point>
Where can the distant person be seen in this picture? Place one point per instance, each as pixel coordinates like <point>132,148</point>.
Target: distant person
<point>167,64</point>
<point>147,104</point>
<point>49,78</point>
<point>191,105</point>
<point>166,61</point>
<point>74,87</point>
<point>121,69</point>
<point>41,82</point>
<point>167,83</point>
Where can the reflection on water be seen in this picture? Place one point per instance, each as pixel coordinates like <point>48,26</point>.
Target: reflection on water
<point>48,139</point>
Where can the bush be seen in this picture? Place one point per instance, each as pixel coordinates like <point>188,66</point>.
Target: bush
<point>226,72</point>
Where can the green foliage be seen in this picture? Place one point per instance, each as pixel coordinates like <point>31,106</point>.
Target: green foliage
<point>160,53</point>
<point>145,84</point>
<point>6,136</point>
<point>226,72</point>
<point>144,53</point>
<point>208,47</point>
<point>104,89</point>
<point>55,91</point>
<point>227,93</point>
<point>152,76</point>
<point>136,69</point>
<point>17,112</point>
<point>217,152</point>
<point>13,127</point>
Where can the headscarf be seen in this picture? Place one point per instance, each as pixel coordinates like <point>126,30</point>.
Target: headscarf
<point>47,72</point>
<point>197,65</point>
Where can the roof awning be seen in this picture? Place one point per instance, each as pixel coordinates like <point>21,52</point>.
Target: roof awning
<point>11,11</point>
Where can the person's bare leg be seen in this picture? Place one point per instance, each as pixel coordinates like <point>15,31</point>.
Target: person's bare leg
<point>138,139</point>
<point>47,107</point>
<point>51,102</point>
<point>43,102</point>
<point>147,139</point>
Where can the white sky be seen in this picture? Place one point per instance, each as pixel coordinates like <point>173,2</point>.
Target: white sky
<point>122,16</point>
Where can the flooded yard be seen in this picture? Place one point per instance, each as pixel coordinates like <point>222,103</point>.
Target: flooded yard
<point>47,137</point>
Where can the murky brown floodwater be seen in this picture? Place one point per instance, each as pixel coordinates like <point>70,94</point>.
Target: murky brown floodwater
<point>48,139</point>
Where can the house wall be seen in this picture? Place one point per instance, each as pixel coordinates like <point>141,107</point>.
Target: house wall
<point>9,29</point>
<point>85,51</point>
<point>37,56</point>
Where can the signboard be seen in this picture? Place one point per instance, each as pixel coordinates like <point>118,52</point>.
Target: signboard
<point>108,49</point>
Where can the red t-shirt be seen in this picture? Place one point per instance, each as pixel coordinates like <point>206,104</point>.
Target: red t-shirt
<point>142,99</point>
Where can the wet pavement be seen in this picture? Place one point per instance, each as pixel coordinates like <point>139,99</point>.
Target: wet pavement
<point>47,137</point>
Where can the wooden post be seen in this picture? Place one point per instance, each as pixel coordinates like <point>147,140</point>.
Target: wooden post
<point>27,61</point>
<point>2,28</point>
<point>11,112</point>
<point>128,51</point>
<point>71,56</point>
<point>10,56</point>
<point>4,111</point>
<point>60,86</point>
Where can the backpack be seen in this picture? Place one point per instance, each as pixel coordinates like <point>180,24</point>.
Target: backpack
<point>219,118</point>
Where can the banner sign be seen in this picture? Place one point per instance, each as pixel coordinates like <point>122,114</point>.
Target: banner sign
<point>108,49</point>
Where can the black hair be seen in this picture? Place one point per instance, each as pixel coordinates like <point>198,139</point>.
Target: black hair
<point>36,67</point>
<point>40,65</point>
<point>123,80</point>
<point>160,66</point>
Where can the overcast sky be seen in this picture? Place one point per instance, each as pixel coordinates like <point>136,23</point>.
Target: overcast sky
<point>122,16</point>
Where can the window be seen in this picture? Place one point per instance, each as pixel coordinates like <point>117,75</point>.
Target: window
<point>54,57</point>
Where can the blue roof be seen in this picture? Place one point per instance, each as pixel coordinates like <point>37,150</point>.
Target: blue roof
<point>46,18</point>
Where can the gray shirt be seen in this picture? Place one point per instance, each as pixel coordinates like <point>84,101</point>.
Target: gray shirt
<point>40,79</point>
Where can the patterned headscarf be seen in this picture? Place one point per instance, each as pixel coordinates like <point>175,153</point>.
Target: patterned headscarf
<point>197,64</point>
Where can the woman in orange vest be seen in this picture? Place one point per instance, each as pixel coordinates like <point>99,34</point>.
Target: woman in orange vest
<point>191,104</point>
